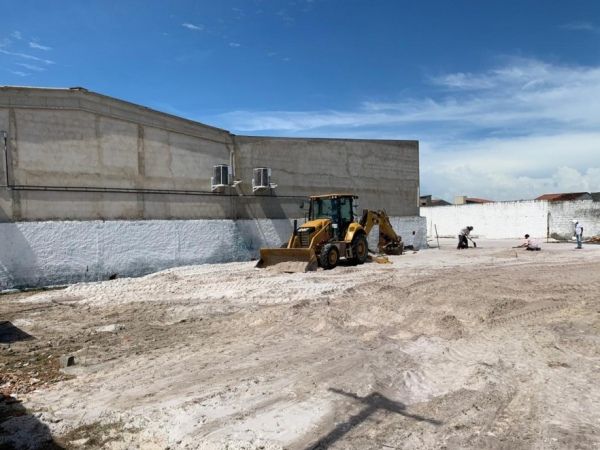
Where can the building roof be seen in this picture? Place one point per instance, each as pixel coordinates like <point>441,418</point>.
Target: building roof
<point>429,200</point>
<point>565,196</point>
<point>477,200</point>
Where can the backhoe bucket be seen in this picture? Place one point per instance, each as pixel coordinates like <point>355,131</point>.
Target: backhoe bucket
<point>288,259</point>
<point>394,248</point>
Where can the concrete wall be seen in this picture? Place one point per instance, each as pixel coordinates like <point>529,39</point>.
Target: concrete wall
<point>77,155</point>
<point>412,229</point>
<point>46,253</point>
<point>514,219</point>
<point>561,215</point>
<point>385,174</point>
<point>49,253</point>
<point>70,139</point>
<point>89,181</point>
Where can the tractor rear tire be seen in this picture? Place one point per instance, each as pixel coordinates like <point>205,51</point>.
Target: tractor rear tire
<point>360,249</point>
<point>329,256</point>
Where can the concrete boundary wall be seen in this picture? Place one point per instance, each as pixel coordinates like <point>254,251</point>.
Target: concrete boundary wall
<point>71,154</point>
<point>36,254</point>
<point>501,220</point>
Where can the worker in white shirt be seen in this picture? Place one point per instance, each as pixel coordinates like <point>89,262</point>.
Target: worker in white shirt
<point>529,244</point>
<point>578,233</point>
<point>463,236</point>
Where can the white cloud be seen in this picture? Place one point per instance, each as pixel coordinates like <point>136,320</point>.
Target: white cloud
<point>31,67</point>
<point>517,131</point>
<point>513,167</point>
<point>18,73</point>
<point>580,26</point>
<point>462,81</point>
<point>234,44</point>
<point>39,46</point>
<point>26,56</point>
<point>191,26</point>
<point>522,98</point>
<point>285,16</point>
<point>17,35</point>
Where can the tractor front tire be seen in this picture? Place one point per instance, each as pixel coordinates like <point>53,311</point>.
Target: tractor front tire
<point>360,249</point>
<point>329,256</point>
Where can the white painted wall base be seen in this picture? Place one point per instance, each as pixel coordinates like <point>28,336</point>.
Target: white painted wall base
<point>34,254</point>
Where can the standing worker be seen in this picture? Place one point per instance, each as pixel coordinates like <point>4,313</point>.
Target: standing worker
<point>463,236</point>
<point>578,233</point>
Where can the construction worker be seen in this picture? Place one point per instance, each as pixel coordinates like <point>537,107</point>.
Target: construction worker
<point>463,238</point>
<point>529,244</point>
<point>578,233</point>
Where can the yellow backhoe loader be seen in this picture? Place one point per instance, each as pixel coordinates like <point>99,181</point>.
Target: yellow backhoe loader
<point>331,233</point>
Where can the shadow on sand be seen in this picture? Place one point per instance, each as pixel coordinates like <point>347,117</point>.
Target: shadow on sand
<point>21,430</point>
<point>373,402</point>
<point>18,428</point>
<point>9,333</point>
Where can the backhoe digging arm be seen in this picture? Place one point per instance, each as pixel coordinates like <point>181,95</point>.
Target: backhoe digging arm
<point>389,241</point>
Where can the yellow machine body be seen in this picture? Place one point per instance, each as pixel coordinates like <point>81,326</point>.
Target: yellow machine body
<point>331,233</point>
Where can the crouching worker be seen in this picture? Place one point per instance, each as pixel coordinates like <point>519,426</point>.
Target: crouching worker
<point>530,244</point>
<point>463,237</point>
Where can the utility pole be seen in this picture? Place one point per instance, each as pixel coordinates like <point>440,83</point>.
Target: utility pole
<point>4,135</point>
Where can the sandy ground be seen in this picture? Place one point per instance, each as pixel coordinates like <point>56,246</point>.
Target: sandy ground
<point>485,348</point>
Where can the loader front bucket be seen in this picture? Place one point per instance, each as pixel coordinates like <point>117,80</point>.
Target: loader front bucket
<point>288,259</point>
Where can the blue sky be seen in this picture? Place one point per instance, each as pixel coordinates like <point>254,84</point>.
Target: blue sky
<point>504,96</point>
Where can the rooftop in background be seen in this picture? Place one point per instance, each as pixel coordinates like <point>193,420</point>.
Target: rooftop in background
<point>563,197</point>
<point>464,200</point>
<point>478,200</point>
<point>428,200</point>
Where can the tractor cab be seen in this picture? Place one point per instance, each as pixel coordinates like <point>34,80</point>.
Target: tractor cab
<point>339,208</point>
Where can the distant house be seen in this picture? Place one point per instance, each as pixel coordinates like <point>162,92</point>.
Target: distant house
<point>566,196</point>
<point>428,200</point>
<point>464,200</point>
<point>595,196</point>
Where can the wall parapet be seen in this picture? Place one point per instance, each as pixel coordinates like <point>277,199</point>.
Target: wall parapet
<point>81,99</point>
